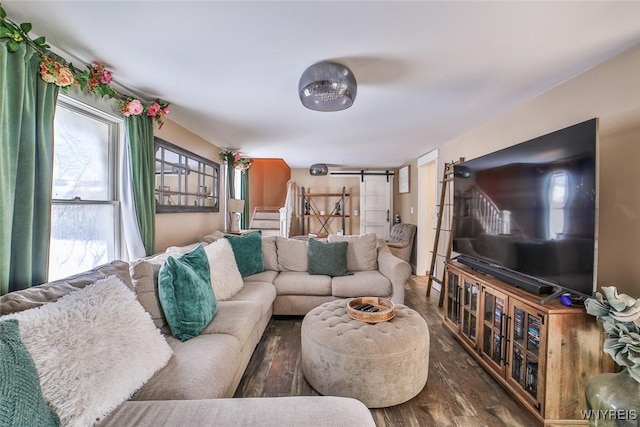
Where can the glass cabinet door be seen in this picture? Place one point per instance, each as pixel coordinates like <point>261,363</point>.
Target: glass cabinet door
<point>493,347</point>
<point>469,305</point>
<point>453,297</point>
<point>525,351</point>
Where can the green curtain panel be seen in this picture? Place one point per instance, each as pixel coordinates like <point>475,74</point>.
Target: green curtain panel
<point>27,108</point>
<point>244,195</point>
<point>231,171</point>
<point>139,131</point>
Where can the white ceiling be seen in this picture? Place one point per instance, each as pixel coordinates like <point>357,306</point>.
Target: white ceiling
<point>427,71</point>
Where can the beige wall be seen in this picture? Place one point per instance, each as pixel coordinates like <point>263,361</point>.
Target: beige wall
<point>405,203</point>
<point>184,228</point>
<point>610,92</point>
<point>427,220</point>
<point>328,184</point>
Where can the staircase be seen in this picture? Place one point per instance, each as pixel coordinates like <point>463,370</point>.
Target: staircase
<point>491,218</point>
<point>267,220</point>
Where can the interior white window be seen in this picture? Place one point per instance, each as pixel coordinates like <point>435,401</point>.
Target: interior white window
<point>237,187</point>
<point>557,199</point>
<point>85,213</point>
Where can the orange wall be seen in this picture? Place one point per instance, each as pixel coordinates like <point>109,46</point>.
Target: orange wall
<point>268,183</point>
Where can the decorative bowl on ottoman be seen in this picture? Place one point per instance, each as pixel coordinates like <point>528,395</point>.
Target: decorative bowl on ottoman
<point>371,309</point>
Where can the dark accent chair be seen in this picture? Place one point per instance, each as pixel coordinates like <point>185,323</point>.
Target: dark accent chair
<point>401,240</point>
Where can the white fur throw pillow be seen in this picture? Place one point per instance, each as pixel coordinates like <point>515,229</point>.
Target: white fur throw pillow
<point>93,348</point>
<point>225,275</point>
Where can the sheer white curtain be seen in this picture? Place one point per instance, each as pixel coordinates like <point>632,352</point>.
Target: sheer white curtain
<point>286,212</point>
<point>130,232</point>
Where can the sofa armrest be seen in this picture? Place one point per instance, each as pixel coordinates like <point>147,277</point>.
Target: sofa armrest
<point>294,411</point>
<point>394,269</point>
<point>398,245</point>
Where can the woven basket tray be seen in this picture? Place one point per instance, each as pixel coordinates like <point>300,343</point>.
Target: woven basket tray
<point>385,312</point>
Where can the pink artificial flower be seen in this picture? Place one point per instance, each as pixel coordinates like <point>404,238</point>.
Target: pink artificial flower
<point>95,64</point>
<point>236,156</point>
<point>165,111</point>
<point>106,77</point>
<point>153,110</point>
<point>135,108</point>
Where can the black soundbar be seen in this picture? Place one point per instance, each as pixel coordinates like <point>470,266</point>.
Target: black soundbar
<point>519,280</point>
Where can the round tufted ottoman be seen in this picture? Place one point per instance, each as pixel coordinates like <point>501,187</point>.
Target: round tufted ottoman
<point>382,364</point>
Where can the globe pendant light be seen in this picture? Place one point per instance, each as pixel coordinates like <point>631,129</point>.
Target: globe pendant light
<point>327,86</point>
<point>318,169</point>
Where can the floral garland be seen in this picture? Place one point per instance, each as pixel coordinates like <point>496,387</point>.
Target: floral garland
<point>95,78</point>
<point>236,160</point>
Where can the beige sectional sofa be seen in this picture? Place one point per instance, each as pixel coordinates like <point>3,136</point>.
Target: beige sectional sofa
<point>376,272</point>
<point>196,384</point>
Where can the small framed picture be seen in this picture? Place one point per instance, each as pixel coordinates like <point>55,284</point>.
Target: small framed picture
<point>403,179</point>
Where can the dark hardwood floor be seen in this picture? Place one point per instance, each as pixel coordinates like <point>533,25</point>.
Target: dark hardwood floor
<point>458,392</point>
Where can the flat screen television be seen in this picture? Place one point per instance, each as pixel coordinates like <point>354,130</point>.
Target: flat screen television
<point>527,214</point>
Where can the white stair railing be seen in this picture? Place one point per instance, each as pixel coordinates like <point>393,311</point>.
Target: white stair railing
<point>286,212</point>
<point>491,218</point>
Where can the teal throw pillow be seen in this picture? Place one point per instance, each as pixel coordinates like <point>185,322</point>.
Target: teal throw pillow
<point>247,250</point>
<point>329,259</point>
<point>21,400</point>
<point>186,295</point>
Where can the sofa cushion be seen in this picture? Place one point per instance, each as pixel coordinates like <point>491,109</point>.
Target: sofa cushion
<point>237,318</point>
<point>214,236</point>
<point>93,349</point>
<point>186,295</point>
<point>292,254</point>
<point>329,259</point>
<point>263,293</point>
<point>201,368</point>
<point>270,253</point>
<point>302,283</point>
<point>144,275</point>
<point>362,283</point>
<point>362,253</point>
<point>225,276</point>
<point>36,296</point>
<point>265,276</point>
<point>248,252</point>
<point>21,400</point>
<point>179,250</point>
